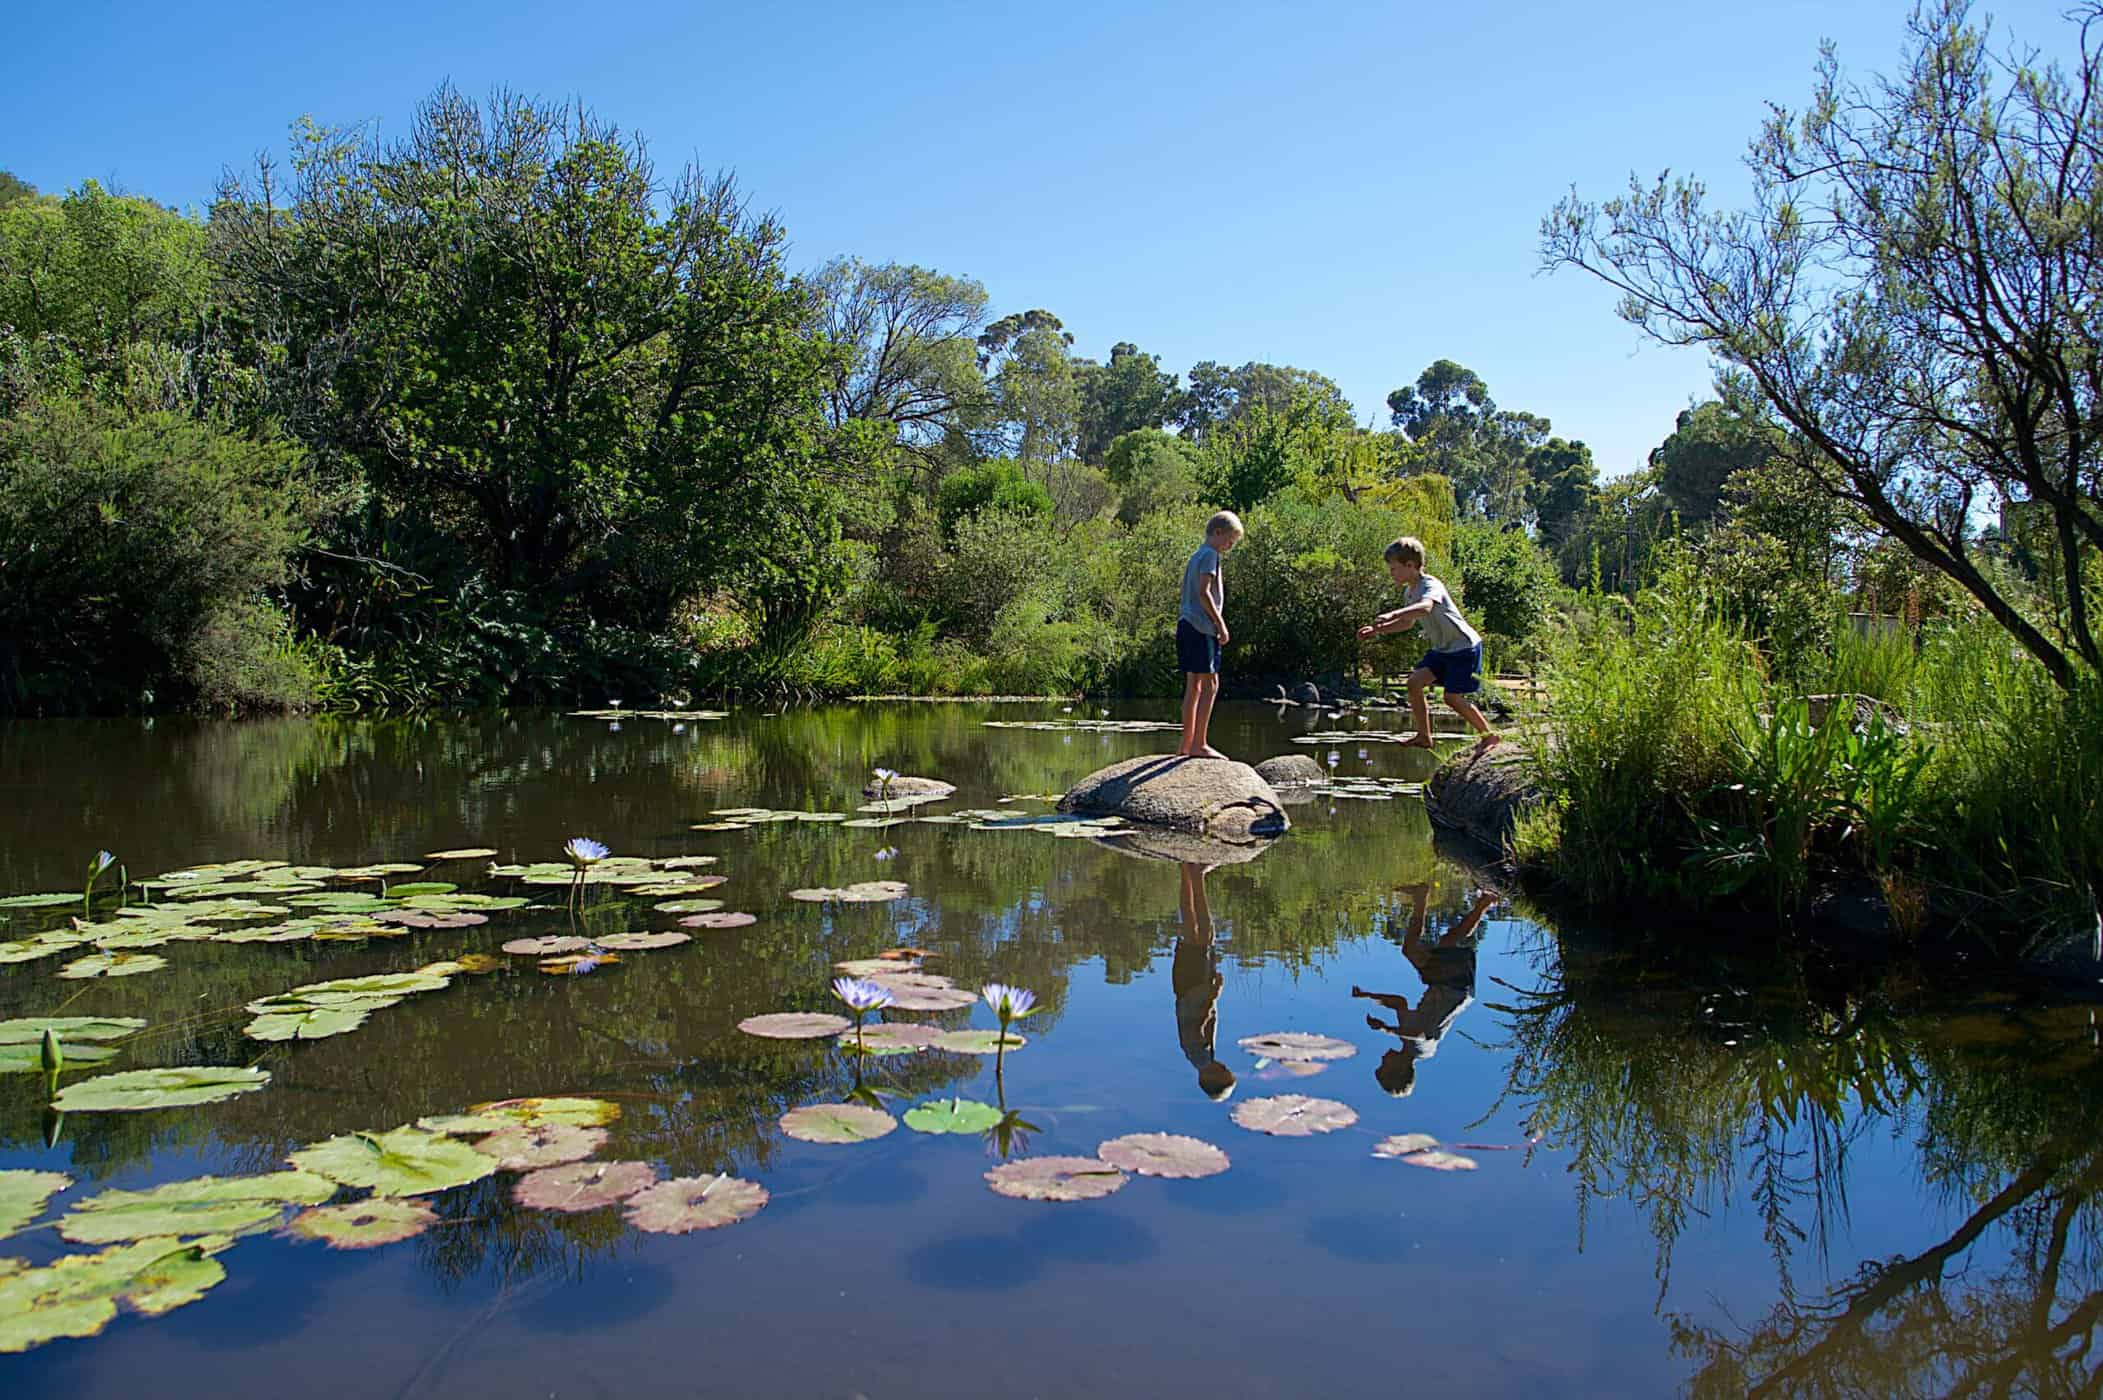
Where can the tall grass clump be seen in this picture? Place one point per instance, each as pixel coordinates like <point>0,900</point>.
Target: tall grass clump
<point>1647,703</point>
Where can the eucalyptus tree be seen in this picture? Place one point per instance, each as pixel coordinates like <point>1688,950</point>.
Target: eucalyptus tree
<point>910,364</point>
<point>1914,289</point>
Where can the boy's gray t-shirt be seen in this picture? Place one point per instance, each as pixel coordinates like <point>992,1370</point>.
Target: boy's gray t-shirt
<point>1443,627</point>
<point>1205,561</point>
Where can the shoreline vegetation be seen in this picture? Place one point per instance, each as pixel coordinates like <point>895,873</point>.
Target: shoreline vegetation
<point>353,440</point>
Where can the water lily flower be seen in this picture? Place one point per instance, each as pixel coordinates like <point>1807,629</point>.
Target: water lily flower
<point>103,861</point>
<point>1335,758</point>
<point>1008,1003</point>
<point>51,1056</point>
<point>583,851</point>
<point>887,853</point>
<point>614,728</point>
<point>861,994</point>
<point>885,775</point>
<point>584,965</point>
<point>613,701</point>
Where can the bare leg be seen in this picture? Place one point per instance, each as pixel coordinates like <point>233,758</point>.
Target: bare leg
<point>1420,708</point>
<point>1192,739</point>
<point>1208,692</point>
<point>1467,709</point>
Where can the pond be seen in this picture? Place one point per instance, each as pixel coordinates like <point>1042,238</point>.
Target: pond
<point>1641,1165</point>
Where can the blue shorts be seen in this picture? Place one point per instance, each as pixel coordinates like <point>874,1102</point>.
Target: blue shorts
<point>1196,651</point>
<point>1457,672</point>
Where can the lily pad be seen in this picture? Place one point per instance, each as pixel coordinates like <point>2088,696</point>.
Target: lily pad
<point>582,1185</point>
<point>430,918</point>
<point>577,964</point>
<point>420,887</point>
<point>341,902</point>
<point>16,950</point>
<point>376,872</point>
<point>794,1025</point>
<point>307,1023</point>
<point>1438,1160</point>
<point>460,903</point>
<point>525,1147</point>
<point>977,1042</point>
<point>639,942</point>
<point>1403,1144</point>
<point>23,1193</point>
<point>206,1205</point>
<point>29,1030</point>
<point>112,965</point>
<point>463,853</point>
<point>364,1224</point>
<point>894,1035</point>
<point>861,892</point>
<point>77,1295</point>
<point>134,1090</point>
<point>38,901</point>
<point>405,1162</point>
<point>732,919</point>
<point>1163,1154</point>
<point>870,967</point>
<point>475,964</point>
<point>912,996</point>
<point>1297,1045</point>
<point>1294,1115</point>
<point>28,1059</point>
<point>688,1203</point>
<point>1056,1179</point>
<point>837,1123</point>
<point>501,1113</point>
<point>689,906</point>
<point>952,1116</point>
<point>719,826</point>
<point>547,947</point>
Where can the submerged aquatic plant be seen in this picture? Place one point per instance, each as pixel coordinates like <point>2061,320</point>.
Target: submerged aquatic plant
<point>862,997</point>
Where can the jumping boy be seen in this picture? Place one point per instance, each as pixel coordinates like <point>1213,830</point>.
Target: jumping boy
<point>1455,657</point>
<point>1201,632</point>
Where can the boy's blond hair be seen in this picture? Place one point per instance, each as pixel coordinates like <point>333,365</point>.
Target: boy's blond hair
<point>1224,523</point>
<point>1407,550</point>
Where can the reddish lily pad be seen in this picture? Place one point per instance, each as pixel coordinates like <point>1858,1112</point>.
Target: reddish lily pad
<point>688,1203</point>
<point>1294,1115</point>
<point>1298,1045</point>
<point>726,919</point>
<point>1056,1179</point>
<point>364,1224</point>
<point>868,967</point>
<point>909,992</point>
<point>582,1185</point>
<point>837,1123</point>
<point>794,1025</point>
<point>1163,1154</point>
<point>546,947</point>
<point>526,1147</point>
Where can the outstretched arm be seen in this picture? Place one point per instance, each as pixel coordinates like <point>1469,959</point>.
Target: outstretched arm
<point>1400,620</point>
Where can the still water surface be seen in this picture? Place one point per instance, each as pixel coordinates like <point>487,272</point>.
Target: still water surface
<point>1696,1174</point>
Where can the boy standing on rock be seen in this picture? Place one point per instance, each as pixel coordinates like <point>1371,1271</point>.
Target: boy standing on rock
<point>1201,632</point>
<point>1455,657</point>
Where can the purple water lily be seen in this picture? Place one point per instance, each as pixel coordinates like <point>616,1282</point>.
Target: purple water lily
<point>861,995</point>
<point>584,851</point>
<point>1008,1003</point>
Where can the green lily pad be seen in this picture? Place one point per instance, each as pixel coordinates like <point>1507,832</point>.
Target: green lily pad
<point>689,906</point>
<point>16,950</point>
<point>341,902</point>
<point>893,1036</point>
<point>206,1205</point>
<point>364,1224</point>
<point>28,1059</point>
<point>464,853</point>
<point>383,984</point>
<point>461,903</point>
<point>837,1123</point>
<point>525,1147</point>
<point>719,826</point>
<point>29,1030</point>
<point>23,1193</point>
<point>240,887</point>
<point>376,872</point>
<point>38,901</point>
<point>420,887</point>
<point>313,1023</point>
<point>582,1186</point>
<point>978,1042</point>
<point>687,862</point>
<point>585,1113</point>
<point>688,1203</point>
<point>952,1116</point>
<point>77,1295</point>
<point>112,965</point>
<point>405,1162</point>
<point>1056,1179</point>
<point>861,892</point>
<point>135,1090</point>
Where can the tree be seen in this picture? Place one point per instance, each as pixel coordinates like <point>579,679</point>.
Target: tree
<point>1914,290</point>
<point>1129,393</point>
<point>1038,403</point>
<point>1442,413</point>
<point>1152,470</point>
<point>599,388</point>
<point>13,187</point>
<point>1218,396</point>
<point>1564,483</point>
<point>910,336</point>
<point>1710,443</point>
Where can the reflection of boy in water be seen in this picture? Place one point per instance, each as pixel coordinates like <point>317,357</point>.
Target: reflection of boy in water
<point>1196,978</point>
<point>1448,969</point>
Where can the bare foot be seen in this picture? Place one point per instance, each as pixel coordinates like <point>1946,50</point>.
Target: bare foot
<point>1210,752</point>
<point>1487,742</point>
<point>1419,741</point>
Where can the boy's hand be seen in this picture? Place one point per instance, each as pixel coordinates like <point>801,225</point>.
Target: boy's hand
<point>1367,633</point>
<point>1223,634</point>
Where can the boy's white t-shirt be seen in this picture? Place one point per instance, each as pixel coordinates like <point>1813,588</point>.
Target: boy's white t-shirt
<point>1443,627</point>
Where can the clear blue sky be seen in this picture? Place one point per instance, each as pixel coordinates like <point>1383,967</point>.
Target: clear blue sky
<point>1352,188</point>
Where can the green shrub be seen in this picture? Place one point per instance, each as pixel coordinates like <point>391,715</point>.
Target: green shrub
<point>1506,582</point>
<point>990,486</point>
<point>132,548</point>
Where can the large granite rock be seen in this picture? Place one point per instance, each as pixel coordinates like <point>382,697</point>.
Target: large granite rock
<point>1482,792</point>
<point>903,789</point>
<point>1205,796</point>
<point>1291,770</point>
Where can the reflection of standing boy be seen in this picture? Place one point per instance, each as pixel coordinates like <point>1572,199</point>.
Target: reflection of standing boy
<point>1196,979</point>
<point>1448,969</point>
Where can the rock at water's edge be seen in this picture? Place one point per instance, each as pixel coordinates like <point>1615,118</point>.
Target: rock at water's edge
<point>901,787</point>
<point>1291,770</point>
<point>1207,796</point>
<point>1483,792</point>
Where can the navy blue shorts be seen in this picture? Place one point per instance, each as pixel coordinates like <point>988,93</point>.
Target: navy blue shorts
<point>1196,651</point>
<point>1457,672</point>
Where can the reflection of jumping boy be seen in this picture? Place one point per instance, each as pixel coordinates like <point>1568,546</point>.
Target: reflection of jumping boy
<point>1448,969</point>
<point>1196,978</point>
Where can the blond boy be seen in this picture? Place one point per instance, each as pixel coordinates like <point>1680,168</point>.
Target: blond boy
<point>1201,632</point>
<point>1454,660</point>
